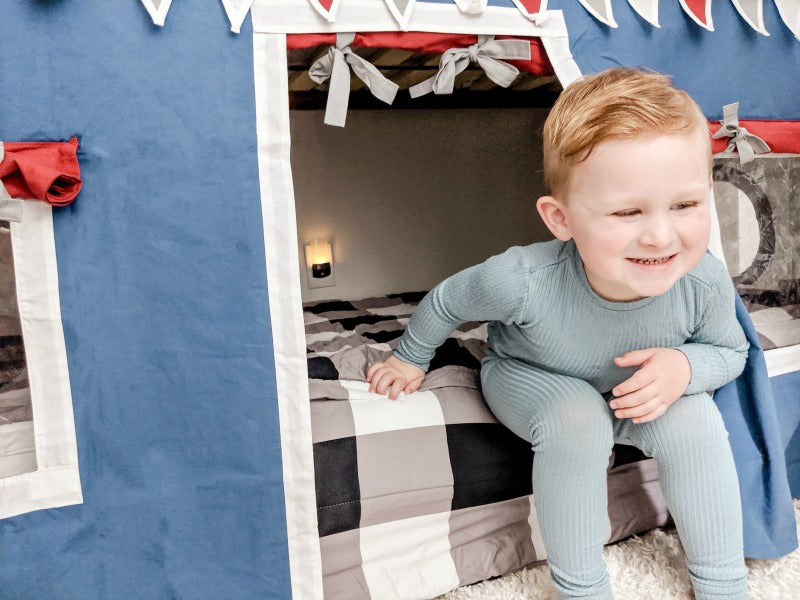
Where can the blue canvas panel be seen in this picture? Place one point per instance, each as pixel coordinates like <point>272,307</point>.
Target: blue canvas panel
<point>786,389</point>
<point>164,303</point>
<point>733,63</point>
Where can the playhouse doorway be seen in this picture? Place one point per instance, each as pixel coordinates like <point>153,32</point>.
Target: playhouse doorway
<point>280,183</point>
<point>410,193</point>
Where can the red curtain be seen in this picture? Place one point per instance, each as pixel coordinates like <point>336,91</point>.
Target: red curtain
<point>47,171</point>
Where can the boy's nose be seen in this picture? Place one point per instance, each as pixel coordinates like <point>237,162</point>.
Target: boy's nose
<point>657,232</point>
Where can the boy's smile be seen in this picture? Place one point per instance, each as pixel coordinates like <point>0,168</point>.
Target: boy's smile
<point>638,210</point>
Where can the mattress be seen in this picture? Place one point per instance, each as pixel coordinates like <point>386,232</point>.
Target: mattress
<point>427,493</point>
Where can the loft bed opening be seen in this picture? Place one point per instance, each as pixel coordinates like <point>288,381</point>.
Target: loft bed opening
<point>429,179</point>
<point>407,198</point>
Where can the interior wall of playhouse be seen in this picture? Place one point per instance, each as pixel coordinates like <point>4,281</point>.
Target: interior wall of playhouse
<point>408,197</point>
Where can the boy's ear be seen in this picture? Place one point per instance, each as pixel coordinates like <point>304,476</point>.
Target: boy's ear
<point>552,212</point>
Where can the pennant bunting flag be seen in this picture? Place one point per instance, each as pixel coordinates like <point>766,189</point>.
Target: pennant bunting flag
<point>327,8</point>
<point>789,11</point>
<point>236,10</point>
<point>158,10</point>
<point>647,9</point>
<point>401,10</point>
<point>752,11</point>
<point>601,10</point>
<point>699,11</point>
<point>471,7</point>
<point>529,8</point>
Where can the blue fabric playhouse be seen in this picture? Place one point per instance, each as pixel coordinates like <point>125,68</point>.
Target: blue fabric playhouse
<point>160,312</point>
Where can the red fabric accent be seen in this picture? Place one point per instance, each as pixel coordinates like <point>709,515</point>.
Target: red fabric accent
<point>46,171</point>
<point>698,9</point>
<point>780,136</point>
<point>426,43</point>
<point>532,6</point>
<point>326,4</point>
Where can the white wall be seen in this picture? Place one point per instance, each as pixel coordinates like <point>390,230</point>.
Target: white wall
<point>408,197</point>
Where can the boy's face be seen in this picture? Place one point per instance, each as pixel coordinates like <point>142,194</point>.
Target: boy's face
<point>638,210</point>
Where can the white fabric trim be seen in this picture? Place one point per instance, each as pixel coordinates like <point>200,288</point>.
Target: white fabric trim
<point>237,11</point>
<point>56,482</point>
<point>782,360</point>
<point>557,49</point>
<point>715,237</point>
<point>157,10</point>
<point>285,304</point>
<point>298,16</point>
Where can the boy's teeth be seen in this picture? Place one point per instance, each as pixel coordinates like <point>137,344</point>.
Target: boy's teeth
<point>649,261</point>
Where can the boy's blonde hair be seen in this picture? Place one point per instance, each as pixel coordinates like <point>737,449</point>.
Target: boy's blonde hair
<point>613,104</point>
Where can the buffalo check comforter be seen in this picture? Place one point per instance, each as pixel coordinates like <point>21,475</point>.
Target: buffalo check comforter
<point>427,493</point>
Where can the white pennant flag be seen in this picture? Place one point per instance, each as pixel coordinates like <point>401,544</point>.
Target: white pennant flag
<point>471,7</point>
<point>237,11</point>
<point>158,10</point>
<point>401,10</point>
<point>600,10</point>
<point>789,11</point>
<point>752,11</point>
<point>647,9</point>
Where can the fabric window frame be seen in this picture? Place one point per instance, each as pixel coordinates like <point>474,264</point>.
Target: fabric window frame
<point>56,480</point>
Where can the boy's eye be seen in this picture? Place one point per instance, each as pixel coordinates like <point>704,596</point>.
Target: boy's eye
<point>626,213</point>
<point>684,205</point>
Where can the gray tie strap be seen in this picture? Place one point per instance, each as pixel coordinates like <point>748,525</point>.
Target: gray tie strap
<point>488,53</point>
<point>334,66</point>
<point>745,143</point>
<point>10,208</point>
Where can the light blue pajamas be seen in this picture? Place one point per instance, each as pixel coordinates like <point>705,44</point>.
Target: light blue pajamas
<point>572,430</point>
<point>552,343</point>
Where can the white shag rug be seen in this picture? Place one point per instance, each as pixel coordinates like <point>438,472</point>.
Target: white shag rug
<point>651,566</point>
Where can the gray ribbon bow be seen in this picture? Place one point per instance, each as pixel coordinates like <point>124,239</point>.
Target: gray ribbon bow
<point>745,143</point>
<point>487,53</point>
<point>334,66</point>
<point>10,208</point>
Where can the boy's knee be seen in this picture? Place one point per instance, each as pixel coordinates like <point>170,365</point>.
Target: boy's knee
<point>692,424</point>
<point>575,427</point>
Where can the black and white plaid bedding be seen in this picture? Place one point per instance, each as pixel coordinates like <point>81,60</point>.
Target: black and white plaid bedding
<point>418,496</point>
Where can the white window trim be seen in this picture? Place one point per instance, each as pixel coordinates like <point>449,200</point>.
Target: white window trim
<point>288,330</point>
<point>299,16</point>
<point>56,480</point>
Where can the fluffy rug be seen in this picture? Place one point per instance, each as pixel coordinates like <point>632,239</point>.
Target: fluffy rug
<point>649,566</point>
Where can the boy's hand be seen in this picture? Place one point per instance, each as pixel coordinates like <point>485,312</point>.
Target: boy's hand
<point>393,376</point>
<point>663,375</point>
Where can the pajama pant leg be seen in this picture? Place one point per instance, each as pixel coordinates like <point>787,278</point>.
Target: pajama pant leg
<point>701,488</point>
<point>569,426</point>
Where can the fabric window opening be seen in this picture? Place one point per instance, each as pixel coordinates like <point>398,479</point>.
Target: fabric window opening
<point>17,448</point>
<point>41,452</point>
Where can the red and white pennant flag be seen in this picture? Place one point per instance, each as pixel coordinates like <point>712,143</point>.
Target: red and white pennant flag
<point>327,8</point>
